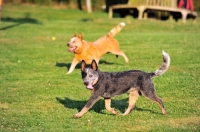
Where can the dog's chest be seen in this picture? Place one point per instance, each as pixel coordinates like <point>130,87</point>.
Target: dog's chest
<point>87,56</point>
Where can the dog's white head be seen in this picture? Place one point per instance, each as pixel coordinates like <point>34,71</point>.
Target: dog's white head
<point>75,43</point>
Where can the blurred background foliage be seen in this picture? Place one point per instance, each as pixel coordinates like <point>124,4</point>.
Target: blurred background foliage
<point>97,5</point>
<point>72,4</point>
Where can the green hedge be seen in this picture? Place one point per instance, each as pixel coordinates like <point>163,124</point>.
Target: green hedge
<point>96,4</point>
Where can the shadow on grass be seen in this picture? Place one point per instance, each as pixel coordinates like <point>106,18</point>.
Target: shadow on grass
<point>76,104</point>
<point>19,21</point>
<point>86,20</point>
<point>78,66</point>
<point>120,105</point>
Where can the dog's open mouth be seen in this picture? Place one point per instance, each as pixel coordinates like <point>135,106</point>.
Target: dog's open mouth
<point>72,49</point>
<point>89,86</point>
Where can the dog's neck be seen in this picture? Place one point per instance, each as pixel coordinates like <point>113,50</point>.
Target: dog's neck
<point>82,48</point>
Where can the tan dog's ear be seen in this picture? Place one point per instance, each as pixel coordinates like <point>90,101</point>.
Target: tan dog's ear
<point>74,35</point>
<point>83,65</point>
<point>94,65</point>
<point>80,36</point>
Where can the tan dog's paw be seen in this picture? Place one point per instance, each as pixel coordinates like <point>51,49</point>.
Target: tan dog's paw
<point>126,59</point>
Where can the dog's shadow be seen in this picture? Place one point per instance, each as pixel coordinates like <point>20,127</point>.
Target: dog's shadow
<point>120,105</point>
<point>78,66</point>
<point>76,104</point>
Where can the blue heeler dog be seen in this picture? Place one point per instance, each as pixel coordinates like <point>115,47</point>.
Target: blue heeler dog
<point>109,84</point>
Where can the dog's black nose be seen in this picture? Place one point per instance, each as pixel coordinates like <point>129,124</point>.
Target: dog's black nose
<point>86,83</point>
<point>68,44</point>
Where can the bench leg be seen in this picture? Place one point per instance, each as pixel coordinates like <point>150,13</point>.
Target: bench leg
<point>141,11</point>
<point>184,16</point>
<point>170,18</point>
<point>145,15</point>
<point>110,14</point>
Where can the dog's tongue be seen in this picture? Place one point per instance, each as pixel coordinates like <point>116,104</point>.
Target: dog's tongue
<point>71,49</point>
<point>89,86</point>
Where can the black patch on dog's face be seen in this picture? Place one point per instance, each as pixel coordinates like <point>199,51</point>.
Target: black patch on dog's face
<point>84,74</point>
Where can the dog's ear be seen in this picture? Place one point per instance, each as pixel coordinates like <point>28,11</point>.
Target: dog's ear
<point>83,65</point>
<point>74,35</point>
<point>94,65</point>
<point>80,36</point>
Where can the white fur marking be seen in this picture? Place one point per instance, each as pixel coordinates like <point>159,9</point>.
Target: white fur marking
<point>73,39</point>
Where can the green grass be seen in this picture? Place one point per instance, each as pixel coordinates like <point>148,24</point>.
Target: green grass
<point>37,95</point>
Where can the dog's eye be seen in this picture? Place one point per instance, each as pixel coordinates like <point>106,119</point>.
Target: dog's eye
<point>90,75</point>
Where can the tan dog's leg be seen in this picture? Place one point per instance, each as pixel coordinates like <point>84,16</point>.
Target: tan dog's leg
<point>107,105</point>
<point>73,65</point>
<point>125,57</point>
<point>133,96</point>
<point>120,53</point>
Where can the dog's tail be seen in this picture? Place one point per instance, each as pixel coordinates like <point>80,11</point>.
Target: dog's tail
<point>165,65</point>
<point>116,29</point>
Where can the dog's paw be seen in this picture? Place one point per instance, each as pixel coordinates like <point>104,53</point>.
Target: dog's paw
<point>164,112</point>
<point>68,72</point>
<point>78,115</point>
<point>125,113</point>
<point>114,112</point>
<point>127,60</point>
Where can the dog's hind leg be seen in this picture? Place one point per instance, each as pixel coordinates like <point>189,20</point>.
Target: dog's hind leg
<point>108,104</point>
<point>120,53</point>
<point>133,96</point>
<point>152,96</point>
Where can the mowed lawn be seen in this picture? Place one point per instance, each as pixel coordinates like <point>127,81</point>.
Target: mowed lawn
<point>37,95</point>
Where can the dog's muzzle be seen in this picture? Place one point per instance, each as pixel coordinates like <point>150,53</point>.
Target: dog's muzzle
<point>86,83</point>
<point>88,86</point>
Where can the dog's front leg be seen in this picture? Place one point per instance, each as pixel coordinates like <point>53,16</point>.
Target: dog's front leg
<point>73,65</point>
<point>108,104</point>
<point>93,99</point>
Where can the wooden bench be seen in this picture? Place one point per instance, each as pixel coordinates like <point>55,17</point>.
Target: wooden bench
<point>158,5</point>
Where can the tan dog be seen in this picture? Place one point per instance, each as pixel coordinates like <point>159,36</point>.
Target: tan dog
<point>89,51</point>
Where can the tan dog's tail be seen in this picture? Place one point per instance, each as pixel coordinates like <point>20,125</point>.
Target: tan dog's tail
<point>116,29</point>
